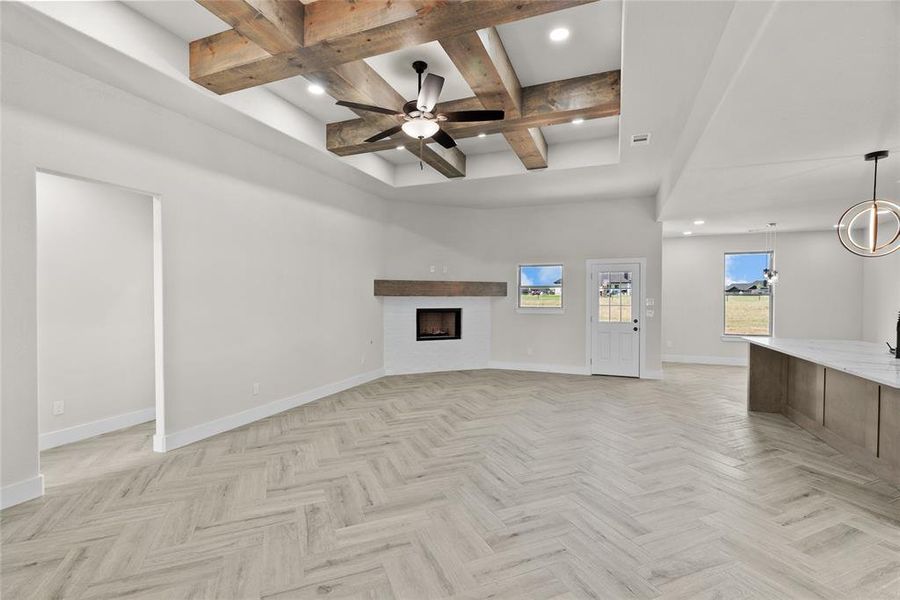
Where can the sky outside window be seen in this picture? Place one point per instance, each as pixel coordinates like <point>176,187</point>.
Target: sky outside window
<point>540,275</point>
<point>745,268</point>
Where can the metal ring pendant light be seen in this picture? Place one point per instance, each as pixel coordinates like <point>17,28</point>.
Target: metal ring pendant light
<point>871,228</point>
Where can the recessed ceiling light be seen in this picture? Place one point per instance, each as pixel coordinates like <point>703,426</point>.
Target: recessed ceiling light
<point>688,233</point>
<point>577,121</point>
<point>401,147</point>
<point>482,135</point>
<point>699,222</point>
<point>316,89</point>
<point>560,34</point>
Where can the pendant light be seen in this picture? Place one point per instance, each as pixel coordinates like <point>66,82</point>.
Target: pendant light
<point>769,273</point>
<point>871,228</point>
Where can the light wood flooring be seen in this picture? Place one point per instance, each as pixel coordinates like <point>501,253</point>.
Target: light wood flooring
<point>483,484</point>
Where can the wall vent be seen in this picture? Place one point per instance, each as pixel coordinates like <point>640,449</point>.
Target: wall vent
<point>640,139</point>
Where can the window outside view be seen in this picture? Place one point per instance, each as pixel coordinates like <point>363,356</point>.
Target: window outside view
<point>540,286</point>
<point>748,298</point>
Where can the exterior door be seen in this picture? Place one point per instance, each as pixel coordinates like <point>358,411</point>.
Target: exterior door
<point>616,320</point>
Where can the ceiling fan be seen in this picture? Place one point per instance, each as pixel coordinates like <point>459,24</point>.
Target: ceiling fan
<point>420,120</point>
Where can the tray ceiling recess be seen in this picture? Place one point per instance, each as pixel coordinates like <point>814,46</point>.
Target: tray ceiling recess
<point>327,43</point>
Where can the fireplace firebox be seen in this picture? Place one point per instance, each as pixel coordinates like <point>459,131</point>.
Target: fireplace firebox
<point>438,324</point>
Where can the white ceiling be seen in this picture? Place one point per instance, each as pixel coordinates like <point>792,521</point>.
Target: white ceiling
<point>185,18</point>
<point>594,44</point>
<point>396,68</point>
<point>759,111</point>
<point>784,143</point>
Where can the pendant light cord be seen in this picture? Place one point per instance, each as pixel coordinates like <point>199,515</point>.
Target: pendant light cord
<point>875,182</point>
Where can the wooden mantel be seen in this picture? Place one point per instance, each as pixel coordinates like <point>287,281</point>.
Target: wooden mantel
<point>403,287</point>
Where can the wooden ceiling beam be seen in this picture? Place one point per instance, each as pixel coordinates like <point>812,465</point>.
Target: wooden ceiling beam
<point>529,145</point>
<point>273,24</point>
<point>341,31</point>
<point>483,62</point>
<point>588,97</point>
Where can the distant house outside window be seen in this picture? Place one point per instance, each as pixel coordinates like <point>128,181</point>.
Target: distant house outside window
<point>748,298</point>
<point>541,286</point>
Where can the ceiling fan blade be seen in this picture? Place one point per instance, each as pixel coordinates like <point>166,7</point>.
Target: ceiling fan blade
<point>367,107</point>
<point>468,116</point>
<point>431,90</point>
<point>385,133</point>
<point>442,138</point>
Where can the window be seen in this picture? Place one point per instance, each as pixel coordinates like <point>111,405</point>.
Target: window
<point>748,297</point>
<point>615,297</point>
<point>540,286</point>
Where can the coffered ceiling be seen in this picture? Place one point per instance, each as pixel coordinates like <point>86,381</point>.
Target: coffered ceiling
<point>593,47</point>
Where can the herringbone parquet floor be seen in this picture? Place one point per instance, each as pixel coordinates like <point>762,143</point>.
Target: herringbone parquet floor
<point>468,485</point>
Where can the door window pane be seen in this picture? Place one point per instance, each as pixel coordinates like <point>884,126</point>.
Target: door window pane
<point>614,291</point>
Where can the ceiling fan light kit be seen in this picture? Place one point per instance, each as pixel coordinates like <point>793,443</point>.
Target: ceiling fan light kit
<point>871,228</point>
<point>420,127</point>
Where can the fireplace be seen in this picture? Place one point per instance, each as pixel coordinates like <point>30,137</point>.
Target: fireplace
<point>438,324</point>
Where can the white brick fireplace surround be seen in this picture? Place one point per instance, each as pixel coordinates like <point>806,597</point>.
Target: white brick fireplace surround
<point>403,354</point>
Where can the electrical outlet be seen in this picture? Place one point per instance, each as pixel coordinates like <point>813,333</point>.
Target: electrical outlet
<point>431,268</point>
<point>362,359</point>
<point>530,351</point>
<point>59,407</point>
<point>445,268</point>
<point>256,389</point>
<point>668,343</point>
<point>649,313</point>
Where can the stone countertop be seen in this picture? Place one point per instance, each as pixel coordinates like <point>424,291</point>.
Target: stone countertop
<point>864,359</point>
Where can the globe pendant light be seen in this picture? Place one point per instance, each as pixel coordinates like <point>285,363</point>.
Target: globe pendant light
<point>871,228</point>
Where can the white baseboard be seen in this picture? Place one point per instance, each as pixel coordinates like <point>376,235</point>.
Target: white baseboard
<point>84,431</point>
<point>424,371</point>
<point>223,424</point>
<point>648,374</point>
<point>733,361</point>
<point>16,493</point>
<point>538,367</point>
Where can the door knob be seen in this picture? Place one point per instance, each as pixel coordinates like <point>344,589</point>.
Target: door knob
<point>635,328</point>
<point>635,320</point>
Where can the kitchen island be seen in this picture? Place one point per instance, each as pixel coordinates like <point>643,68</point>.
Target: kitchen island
<point>845,392</point>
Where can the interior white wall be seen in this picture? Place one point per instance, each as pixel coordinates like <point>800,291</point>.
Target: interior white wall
<point>95,301</point>
<point>488,245</point>
<point>267,265</point>
<point>819,293</point>
<point>881,298</point>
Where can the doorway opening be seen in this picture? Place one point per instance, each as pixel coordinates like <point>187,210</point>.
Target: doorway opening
<point>615,336</point>
<point>99,324</point>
